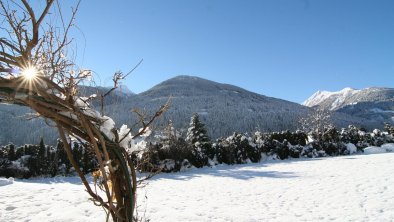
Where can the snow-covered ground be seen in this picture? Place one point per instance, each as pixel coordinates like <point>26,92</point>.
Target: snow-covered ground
<point>348,188</point>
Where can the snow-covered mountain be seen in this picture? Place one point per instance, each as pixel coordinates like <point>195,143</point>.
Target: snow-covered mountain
<point>330,100</point>
<point>370,103</point>
<point>223,108</point>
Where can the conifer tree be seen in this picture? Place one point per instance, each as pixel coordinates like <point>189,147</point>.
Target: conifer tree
<point>34,162</point>
<point>200,142</point>
<point>89,161</point>
<point>11,152</point>
<point>77,153</point>
<point>64,164</point>
<point>3,153</point>
<point>42,158</point>
<point>42,150</point>
<point>169,134</point>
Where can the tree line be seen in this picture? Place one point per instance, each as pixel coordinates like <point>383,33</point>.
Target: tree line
<point>43,160</point>
<point>172,151</point>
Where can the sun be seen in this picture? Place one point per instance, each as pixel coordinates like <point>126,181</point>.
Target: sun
<point>29,77</point>
<point>29,73</point>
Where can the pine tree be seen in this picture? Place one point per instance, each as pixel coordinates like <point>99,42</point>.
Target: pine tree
<point>43,158</point>
<point>34,162</point>
<point>200,142</point>
<point>42,150</point>
<point>64,164</point>
<point>11,152</point>
<point>77,154</point>
<point>169,133</point>
<point>3,152</point>
<point>89,162</point>
<point>53,161</point>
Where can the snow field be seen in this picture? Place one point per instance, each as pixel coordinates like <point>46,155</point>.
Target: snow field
<point>347,188</point>
<point>54,199</point>
<point>351,188</point>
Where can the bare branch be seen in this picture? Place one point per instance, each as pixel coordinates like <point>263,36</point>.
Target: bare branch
<point>52,94</point>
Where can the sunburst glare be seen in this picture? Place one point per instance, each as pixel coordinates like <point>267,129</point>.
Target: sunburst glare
<point>29,73</point>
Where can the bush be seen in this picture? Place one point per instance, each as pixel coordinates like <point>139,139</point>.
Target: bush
<point>176,149</point>
<point>295,151</point>
<point>294,138</point>
<point>282,149</point>
<point>224,152</point>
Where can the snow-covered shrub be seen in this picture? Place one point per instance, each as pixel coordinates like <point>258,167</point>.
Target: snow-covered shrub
<point>267,146</point>
<point>264,142</point>
<point>356,136</point>
<point>149,160</point>
<point>295,150</point>
<point>330,135</point>
<point>298,137</point>
<point>327,142</point>
<point>224,151</point>
<point>282,149</point>
<point>310,151</point>
<point>246,150</point>
<point>379,138</point>
<point>4,167</point>
<point>277,144</point>
<point>176,149</point>
<point>326,148</point>
<point>335,149</point>
<point>168,165</point>
<point>238,148</point>
<point>389,129</point>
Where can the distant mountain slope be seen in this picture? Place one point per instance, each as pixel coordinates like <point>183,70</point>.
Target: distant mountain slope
<point>223,108</point>
<point>371,103</point>
<point>15,127</point>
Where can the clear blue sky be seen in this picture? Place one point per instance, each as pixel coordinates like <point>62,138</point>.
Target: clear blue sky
<point>281,48</point>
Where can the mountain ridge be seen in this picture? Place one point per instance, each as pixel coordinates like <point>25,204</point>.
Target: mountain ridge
<point>373,103</point>
<point>218,103</point>
<point>224,109</point>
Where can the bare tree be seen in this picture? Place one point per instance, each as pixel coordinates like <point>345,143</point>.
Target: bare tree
<point>316,122</point>
<point>36,72</point>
